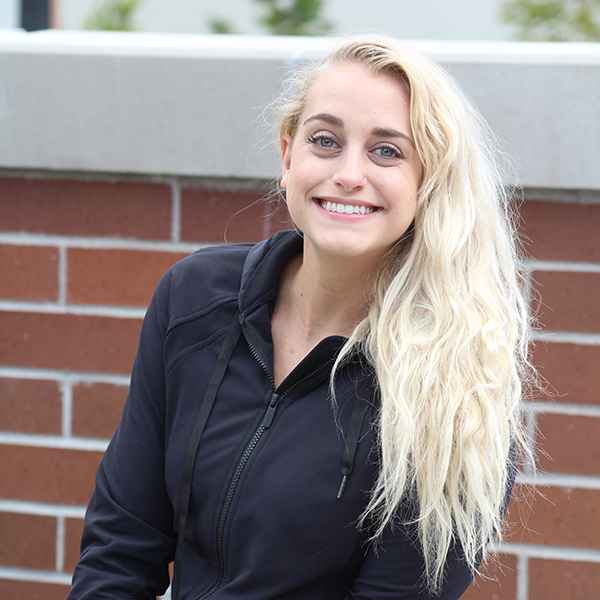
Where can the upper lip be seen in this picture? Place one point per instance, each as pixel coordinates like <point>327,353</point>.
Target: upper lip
<point>348,201</point>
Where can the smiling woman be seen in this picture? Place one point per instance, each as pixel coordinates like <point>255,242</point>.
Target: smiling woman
<point>331,413</point>
<point>446,325</point>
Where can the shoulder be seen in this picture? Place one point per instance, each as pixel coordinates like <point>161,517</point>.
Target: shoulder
<point>218,266</point>
<point>218,275</point>
<point>208,276</point>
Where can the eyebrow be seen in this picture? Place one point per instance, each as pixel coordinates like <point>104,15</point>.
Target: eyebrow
<point>377,131</point>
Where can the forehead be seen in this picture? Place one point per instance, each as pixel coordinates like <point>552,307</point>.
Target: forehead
<point>352,89</point>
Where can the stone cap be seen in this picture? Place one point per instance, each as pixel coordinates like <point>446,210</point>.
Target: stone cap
<point>196,105</point>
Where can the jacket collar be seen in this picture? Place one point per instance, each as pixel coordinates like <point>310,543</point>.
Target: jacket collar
<point>263,267</point>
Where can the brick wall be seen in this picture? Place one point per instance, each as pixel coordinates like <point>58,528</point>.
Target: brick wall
<point>79,260</point>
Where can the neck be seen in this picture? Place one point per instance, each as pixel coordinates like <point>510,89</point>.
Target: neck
<point>325,297</point>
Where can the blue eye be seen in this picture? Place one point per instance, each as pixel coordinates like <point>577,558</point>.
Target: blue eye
<point>386,152</point>
<point>322,140</point>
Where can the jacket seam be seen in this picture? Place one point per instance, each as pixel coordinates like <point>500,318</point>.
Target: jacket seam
<point>200,313</point>
<point>194,348</point>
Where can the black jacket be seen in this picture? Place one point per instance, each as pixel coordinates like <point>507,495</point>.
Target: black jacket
<point>265,520</point>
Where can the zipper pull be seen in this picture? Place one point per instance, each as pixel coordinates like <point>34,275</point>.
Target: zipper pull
<point>268,418</point>
<point>342,487</point>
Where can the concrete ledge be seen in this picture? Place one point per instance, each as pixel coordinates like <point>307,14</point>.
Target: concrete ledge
<point>192,105</point>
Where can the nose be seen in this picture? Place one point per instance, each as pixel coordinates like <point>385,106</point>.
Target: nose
<point>350,173</point>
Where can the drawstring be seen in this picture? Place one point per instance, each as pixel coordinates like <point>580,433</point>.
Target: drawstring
<point>359,412</point>
<point>229,343</point>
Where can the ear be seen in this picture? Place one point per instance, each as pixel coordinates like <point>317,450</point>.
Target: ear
<point>286,159</point>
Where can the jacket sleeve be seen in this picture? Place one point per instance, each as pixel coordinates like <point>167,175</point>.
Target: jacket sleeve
<point>128,537</point>
<point>394,571</point>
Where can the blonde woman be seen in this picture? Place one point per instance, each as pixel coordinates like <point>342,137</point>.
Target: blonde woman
<point>332,413</point>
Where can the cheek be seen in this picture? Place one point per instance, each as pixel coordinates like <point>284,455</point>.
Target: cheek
<point>298,181</point>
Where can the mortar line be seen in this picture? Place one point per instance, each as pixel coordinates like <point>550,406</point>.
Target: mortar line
<point>67,407</point>
<point>590,555</point>
<point>531,428</point>
<point>522,577</point>
<point>56,442</point>
<point>562,266</point>
<point>39,576</point>
<point>568,410</point>
<point>107,243</point>
<point>176,211</point>
<point>567,337</point>
<point>91,310</point>
<point>560,480</point>
<point>62,275</point>
<point>45,509</point>
<point>60,543</point>
<point>57,375</point>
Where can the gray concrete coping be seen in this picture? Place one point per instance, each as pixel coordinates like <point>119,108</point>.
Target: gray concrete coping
<point>194,105</point>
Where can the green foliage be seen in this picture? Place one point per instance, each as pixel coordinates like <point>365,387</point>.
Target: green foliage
<point>554,20</point>
<point>113,15</point>
<point>295,17</point>
<point>220,26</point>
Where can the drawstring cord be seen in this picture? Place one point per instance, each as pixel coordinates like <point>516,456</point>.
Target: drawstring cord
<point>229,343</point>
<point>359,412</point>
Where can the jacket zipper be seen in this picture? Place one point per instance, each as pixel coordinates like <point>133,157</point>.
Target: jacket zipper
<point>265,423</point>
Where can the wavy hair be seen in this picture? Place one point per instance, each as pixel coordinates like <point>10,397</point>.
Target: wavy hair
<point>447,330</point>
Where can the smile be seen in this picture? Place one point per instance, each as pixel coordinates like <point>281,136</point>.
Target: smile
<point>348,209</point>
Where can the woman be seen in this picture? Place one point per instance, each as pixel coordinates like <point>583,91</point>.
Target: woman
<point>331,413</point>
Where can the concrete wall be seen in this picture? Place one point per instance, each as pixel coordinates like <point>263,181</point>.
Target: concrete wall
<point>121,154</point>
<point>193,105</point>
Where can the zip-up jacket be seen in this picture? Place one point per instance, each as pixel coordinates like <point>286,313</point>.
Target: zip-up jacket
<point>267,516</point>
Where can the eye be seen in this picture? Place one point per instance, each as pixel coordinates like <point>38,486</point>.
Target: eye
<point>323,140</point>
<point>388,151</point>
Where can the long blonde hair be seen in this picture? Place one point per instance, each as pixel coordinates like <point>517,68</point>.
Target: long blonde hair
<point>448,328</point>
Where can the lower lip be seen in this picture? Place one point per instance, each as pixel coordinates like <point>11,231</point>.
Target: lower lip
<point>345,216</point>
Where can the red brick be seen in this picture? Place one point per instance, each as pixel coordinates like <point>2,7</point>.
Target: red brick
<point>28,541</point>
<point>97,208</point>
<point>30,406</point>
<point>569,300</point>
<point>571,371</point>
<point>73,532</point>
<point>497,581</point>
<point>75,342</point>
<point>48,474</point>
<point>556,517</point>
<point>212,215</point>
<point>572,444</point>
<point>561,231</point>
<point>32,590</point>
<point>28,273</point>
<point>117,277</point>
<point>563,580</point>
<point>97,409</point>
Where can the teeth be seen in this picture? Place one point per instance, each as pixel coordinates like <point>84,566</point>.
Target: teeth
<point>347,209</point>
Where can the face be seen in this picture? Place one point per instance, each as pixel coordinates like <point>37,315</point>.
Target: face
<point>351,172</point>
